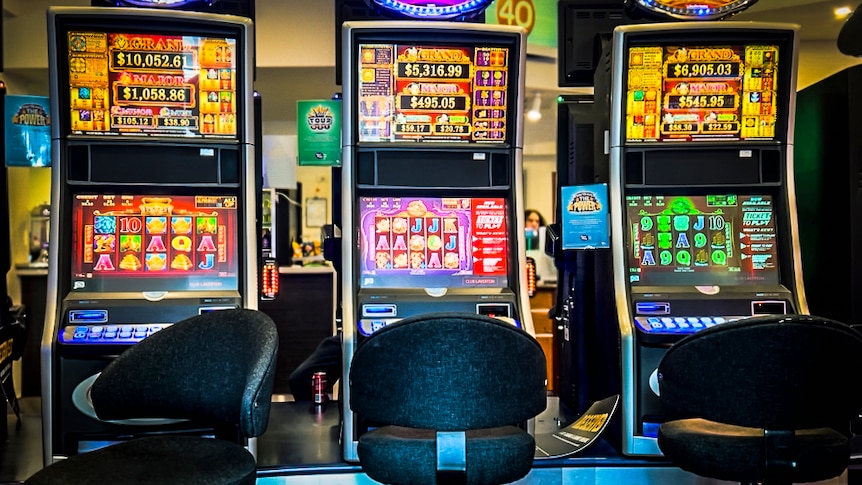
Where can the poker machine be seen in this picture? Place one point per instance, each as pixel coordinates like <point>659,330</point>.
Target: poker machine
<point>702,203</point>
<point>152,203</point>
<point>432,205</point>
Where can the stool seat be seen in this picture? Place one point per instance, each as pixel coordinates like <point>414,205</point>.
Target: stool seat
<point>737,453</point>
<point>494,455</point>
<point>188,460</point>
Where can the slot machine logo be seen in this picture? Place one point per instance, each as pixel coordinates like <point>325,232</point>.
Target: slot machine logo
<point>319,118</point>
<point>584,201</point>
<point>31,114</point>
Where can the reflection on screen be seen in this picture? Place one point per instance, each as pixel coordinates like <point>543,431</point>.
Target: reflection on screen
<point>154,243</point>
<point>433,242</point>
<point>701,240</point>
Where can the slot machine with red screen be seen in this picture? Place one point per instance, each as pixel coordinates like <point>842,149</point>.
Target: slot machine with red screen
<point>432,178</point>
<point>703,208</point>
<point>153,205</point>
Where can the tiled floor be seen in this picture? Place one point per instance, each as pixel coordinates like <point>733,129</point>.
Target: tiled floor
<point>21,451</point>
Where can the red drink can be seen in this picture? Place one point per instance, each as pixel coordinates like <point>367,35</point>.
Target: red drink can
<point>318,387</point>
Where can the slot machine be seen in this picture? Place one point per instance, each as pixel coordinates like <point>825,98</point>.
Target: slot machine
<point>152,203</point>
<point>431,182</point>
<point>702,202</point>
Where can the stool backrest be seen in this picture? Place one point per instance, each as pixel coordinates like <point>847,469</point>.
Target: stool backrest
<point>449,371</point>
<point>215,367</point>
<point>780,372</point>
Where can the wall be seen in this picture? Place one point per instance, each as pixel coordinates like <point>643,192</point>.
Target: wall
<point>28,188</point>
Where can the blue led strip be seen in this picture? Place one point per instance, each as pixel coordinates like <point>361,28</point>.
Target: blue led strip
<point>695,10</point>
<point>159,3</point>
<point>428,11</point>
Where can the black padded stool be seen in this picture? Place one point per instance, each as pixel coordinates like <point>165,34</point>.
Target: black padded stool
<point>216,369</point>
<point>448,394</point>
<point>761,400</point>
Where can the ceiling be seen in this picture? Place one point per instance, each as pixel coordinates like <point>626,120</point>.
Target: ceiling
<point>815,17</point>
<point>281,87</point>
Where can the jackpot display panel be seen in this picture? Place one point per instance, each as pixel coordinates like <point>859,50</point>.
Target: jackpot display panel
<point>701,193</point>
<point>679,93</point>
<point>153,196</point>
<point>431,181</point>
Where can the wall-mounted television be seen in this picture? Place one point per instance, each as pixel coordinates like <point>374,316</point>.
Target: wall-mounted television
<point>724,82</point>
<point>433,242</point>
<point>701,240</point>
<point>433,82</point>
<point>182,76</point>
<point>136,243</point>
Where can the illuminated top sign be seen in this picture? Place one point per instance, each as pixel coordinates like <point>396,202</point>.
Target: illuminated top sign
<point>159,3</point>
<point>694,9</point>
<point>431,10</point>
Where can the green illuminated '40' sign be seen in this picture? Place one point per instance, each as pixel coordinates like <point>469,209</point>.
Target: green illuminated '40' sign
<point>516,12</point>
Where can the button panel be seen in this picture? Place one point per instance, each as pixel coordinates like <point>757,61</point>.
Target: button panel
<point>109,333</point>
<point>680,325</point>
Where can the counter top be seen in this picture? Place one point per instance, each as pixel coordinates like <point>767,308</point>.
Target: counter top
<point>297,269</point>
<point>31,269</point>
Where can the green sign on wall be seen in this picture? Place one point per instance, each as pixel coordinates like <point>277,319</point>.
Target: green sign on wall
<point>539,17</point>
<point>318,132</point>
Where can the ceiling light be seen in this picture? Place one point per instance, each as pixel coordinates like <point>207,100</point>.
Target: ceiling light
<point>535,112</point>
<point>842,12</point>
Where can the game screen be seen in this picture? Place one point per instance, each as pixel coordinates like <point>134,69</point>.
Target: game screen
<point>681,93</point>
<point>433,242</point>
<point>701,240</point>
<point>154,243</point>
<point>427,93</point>
<point>136,84</point>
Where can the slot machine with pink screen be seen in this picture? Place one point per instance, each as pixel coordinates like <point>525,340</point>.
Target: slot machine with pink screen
<point>432,178</point>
